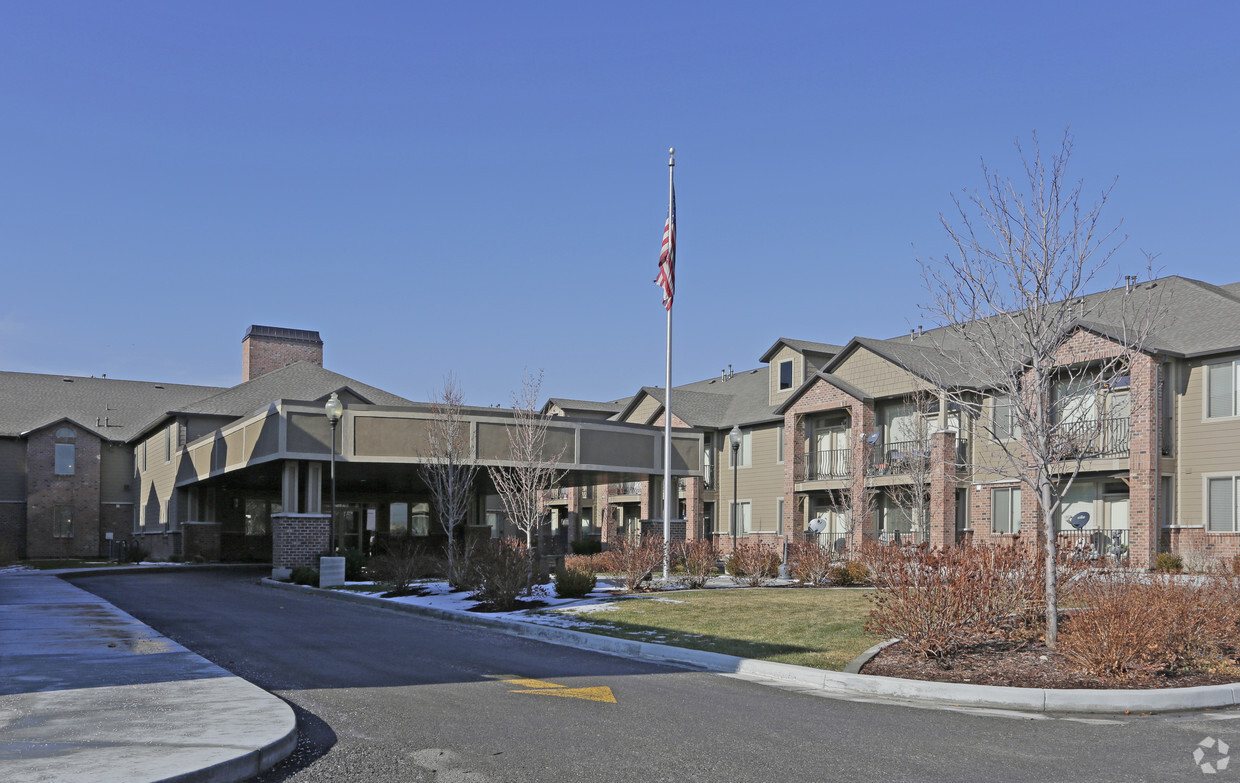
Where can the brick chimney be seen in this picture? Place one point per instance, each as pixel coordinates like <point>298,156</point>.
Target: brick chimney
<point>267,348</point>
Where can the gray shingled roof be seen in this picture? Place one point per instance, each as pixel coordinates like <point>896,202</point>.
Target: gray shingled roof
<point>299,381</point>
<point>801,346</point>
<point>123,408</point>
<point>590,405</point>
<point>717,403</point>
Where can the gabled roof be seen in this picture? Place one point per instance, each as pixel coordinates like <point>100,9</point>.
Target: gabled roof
<point>587,406</point>
<point>122,408</point>
<point>298,381</point>
<point>834,380</point>
<point>800,346</point>
<point>716,403</point>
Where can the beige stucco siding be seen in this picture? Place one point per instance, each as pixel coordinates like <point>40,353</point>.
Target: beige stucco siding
<point>880,378</point>
<point>1205,445</point>
<point>644,410</point>
<point>155,498</point>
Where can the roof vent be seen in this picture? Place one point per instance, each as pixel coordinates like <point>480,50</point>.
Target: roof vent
<point>67,380</point>
<point>158,386</point>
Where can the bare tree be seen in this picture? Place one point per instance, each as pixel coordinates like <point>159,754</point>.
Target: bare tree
<point>450,468</point>
<point>909,455</point>
<point>1013,300</point>
<point>523,486</point>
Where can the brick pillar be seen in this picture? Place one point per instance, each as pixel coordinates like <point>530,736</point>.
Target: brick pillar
<point>573,515</point>
<point>794,459</point>
<point>693,508</point>
<point>298,540</point>
<point>1143,462</point>
<point>605,514</point>
<point>860,427</point>
<point>648,500</point>
<point>942,522</point>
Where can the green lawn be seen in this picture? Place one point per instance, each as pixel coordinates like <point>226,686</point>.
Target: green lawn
<point>819,628</point>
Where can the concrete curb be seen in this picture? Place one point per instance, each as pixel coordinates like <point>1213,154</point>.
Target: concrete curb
<point>840,684</point>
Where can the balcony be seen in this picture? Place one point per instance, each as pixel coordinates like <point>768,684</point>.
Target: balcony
<point>1092,439</point>
<point>826,465</point>
<point>900,457</point>
<point>626,488</point>
<point>1093,544</point>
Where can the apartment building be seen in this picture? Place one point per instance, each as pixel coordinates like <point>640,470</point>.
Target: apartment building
<point>848,433</point>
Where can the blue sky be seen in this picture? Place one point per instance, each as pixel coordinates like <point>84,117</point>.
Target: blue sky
<point>481,187</point>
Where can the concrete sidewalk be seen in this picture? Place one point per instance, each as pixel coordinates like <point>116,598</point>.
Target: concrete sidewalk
<point>88,693</point>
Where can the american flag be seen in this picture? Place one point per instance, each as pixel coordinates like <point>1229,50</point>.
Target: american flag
<point>667,257</point>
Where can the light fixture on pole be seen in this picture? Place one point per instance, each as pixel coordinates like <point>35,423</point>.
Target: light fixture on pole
<point>735,438</point>
<point>334,410</point>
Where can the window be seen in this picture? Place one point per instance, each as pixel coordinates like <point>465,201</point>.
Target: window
<point>1005,424</point>
<point>65,453</point>
<point>1221,388</point>
<point>1221,504</point>
<point>785,375</point>
<point>398,519</point>
<point>779,444</point>
<point>257,518</point>
<point>169,442</point>
<point>746,451</point>
<point>62,522</point>
<point>740,520</point>
<point>66,432</point>
<point>779,516</point>
<point>1166,501</point>
<point>1005,510</point>
<point>420,524</point>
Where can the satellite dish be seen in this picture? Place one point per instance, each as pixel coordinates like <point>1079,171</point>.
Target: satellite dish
<point>1079,520</point>
<point>873,439</point>
<point>818,525</point>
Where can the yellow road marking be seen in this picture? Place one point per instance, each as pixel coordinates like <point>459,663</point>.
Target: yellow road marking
<point>541,688</point>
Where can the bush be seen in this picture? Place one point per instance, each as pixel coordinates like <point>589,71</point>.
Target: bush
<point>499,572</point>
<point>697,559</point>
<point>135,553</point>
<point>574,582</point>
<point>305,575</point>
<point>595,564</point>
<point>753,562</point>
<point>940,601</point>
<point>354,564</point>
<point>634,562</point>
<point>810,562</point>
<point>1168,562</point>
<point>849,574</point>
<point>402,565</point>
<point>1135,627</point>
<point>587,546</point>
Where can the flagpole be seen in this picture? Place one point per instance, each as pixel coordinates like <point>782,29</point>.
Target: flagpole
<point>667,393</point>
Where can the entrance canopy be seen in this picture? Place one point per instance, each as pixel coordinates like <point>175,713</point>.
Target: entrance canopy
<point>380,438</point>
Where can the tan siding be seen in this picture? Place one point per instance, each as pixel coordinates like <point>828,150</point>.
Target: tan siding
<point>1206,446</point>
<point>155,489</point>
<point>775,396</point>
<point>877,376</point>
<point>761,483</point>
<point>645,409</point>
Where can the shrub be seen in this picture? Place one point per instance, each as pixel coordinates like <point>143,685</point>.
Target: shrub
<point>305,575</point>
<point>697,559</point>
<point>587,546</point>
<point>809,562</point>
<point>574,582</point>
<point>849,573</point>
<point>1168,562</point>
<point>402,565</point>
<point>634,562</point>
<point>1132,628</point>
<point>595,564</point>
<point>499,572</point>
<point>136,553</point>
<point>354,564</point>
<point>943,600</point>
<point>753,562</point>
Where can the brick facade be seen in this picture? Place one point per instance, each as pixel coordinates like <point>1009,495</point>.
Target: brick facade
<point>45,491</point>
<point>298,540</point>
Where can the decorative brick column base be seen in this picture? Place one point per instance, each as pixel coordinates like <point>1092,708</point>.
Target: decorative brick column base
<point>942,522</point>
<point>200,539</point>
<point>298,540</point>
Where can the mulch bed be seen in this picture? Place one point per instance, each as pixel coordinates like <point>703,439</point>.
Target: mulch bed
<point>1021,666</point>
<point>518,605</point>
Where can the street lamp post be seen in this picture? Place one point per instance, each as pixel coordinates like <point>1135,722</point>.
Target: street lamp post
<point>735,438</point>
<point>334,410</point>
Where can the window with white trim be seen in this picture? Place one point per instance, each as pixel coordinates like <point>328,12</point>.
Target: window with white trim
<point>1005,510</point>
<point>745,453</point>
<point>1222,389</point>
<point>1221,504</point>
<point>779,444</point>
<point>741,518</point>
<point>1003,416</point>
<point>779,516</point>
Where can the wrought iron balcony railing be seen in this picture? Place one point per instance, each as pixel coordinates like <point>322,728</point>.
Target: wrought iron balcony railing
<point>1092,439</point>
<point>825,465</point>
<point>626,488</point>
<point>891,459</point>
<point>1093,544</point>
